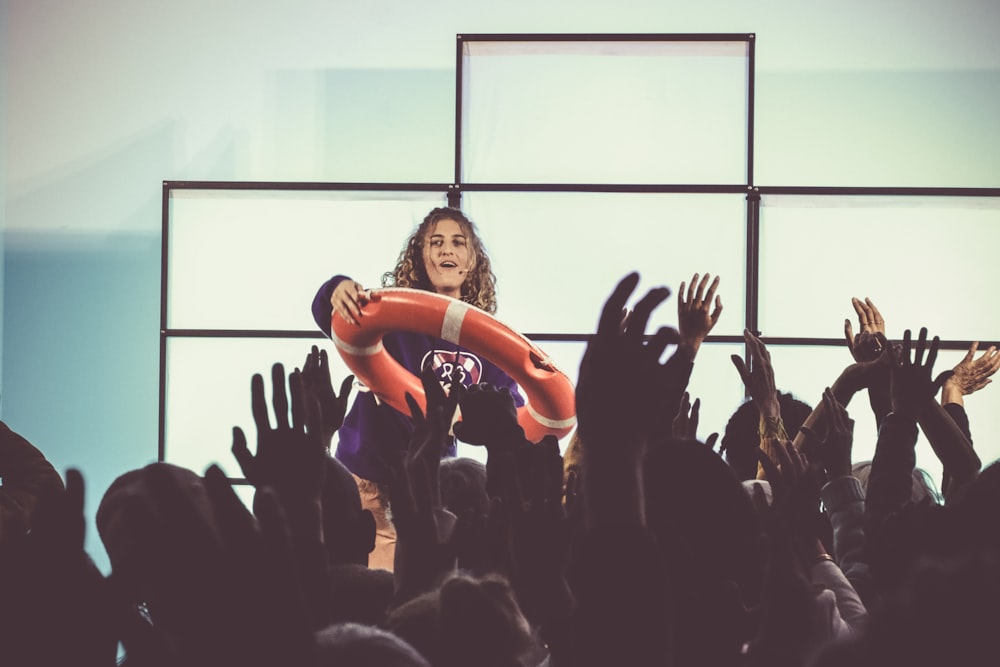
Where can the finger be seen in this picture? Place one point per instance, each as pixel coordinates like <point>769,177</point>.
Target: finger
<point>940,380</point>
<point>700,295</point>
<point>242,454</point>
<point>433,391</point>
<point>693,421</point>
<point>992,365</point>
<point>718,310</point>
<point>878,321</point>
<point>313,418</point>
<point>258,404</point>
<point>849,334</point>
<point>741,368</point>
<point>682,298</point>
<point>833,410</point>
<point>415,412</point>
<point>869,321</point>
<point>312,360</point>
<point>907,345</point>
<point>711,440</point>
<point>663,337</point>
<point>918,355</point>
<point>611,315</point>
<point>771,473</point>
<point>692,286</point>
<point>643,309</point>
<point>784,456</point>
<point>345,388</point>
<point>298,401</point>
<point>972,352</point>
<point>888,350</point>
<point>862,311</point>
<point>756,347</point>
<point>324,366</point>
<point>712,289</point>
<point>812,439</point>
<point>932,353</point>
<point>279,398</point>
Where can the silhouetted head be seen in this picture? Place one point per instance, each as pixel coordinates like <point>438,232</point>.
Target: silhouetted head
<point>710,532</point>
<point>356,645</point>
<point>466,621</point>
<point>348,530</point>
<point>742,435</point>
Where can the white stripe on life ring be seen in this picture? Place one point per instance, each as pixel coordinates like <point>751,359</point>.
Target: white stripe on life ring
<point>354,350</point>
<point>451,327</point>
<point>554,424</point>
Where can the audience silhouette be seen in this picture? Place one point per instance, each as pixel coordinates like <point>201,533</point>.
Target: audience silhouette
<point>644,546</point>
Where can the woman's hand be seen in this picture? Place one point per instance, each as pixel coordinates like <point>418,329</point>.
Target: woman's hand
<point>347,298</point>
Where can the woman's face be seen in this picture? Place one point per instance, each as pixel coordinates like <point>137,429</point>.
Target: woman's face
<point>447,257</point>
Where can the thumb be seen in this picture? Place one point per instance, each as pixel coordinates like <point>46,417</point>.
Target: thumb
<point>941,379</point>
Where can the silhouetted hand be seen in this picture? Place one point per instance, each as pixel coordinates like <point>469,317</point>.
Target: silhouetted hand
<point>615,392</point>
<point>685,424</point>
<point>289,457</point>
<point>316,386</point>
<point>759,377</point>
<point>489,416</point>
<point>834,451</point>
<point>971,374</point>
<point>423,526</point>
<point>694,322</point>
<point>911,384</point>
<point>617,395</point>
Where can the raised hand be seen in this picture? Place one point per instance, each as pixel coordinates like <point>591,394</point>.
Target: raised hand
<point>694,321</point>
<point>971,374</point>
<point>759,377</point>
<point>616,399</point>
<point>865,346</point>
<point>289,457</point>
<point>429,442</point>
<point>422,525</point>
<point>347,298</point>
<point>615,393</point>
<point>834,451</point>
<point>316,386</point>
<point>489,416</point>
<point>911,384</point>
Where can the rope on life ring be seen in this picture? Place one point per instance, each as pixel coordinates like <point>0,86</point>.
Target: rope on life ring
<point>550,406</point>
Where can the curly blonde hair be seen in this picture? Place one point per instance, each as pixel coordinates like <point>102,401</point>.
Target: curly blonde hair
<point>479,288</point>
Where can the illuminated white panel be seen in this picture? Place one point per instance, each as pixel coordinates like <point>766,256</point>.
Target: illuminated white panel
<point>208,392</point>
<point>923,261</point>
<point>254,259</point>
<point>557,257</point>
<point>604,112</point>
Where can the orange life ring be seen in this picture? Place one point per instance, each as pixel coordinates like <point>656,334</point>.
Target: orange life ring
<point>550,405</point>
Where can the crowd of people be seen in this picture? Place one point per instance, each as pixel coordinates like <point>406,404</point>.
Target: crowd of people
<point>638,545</point>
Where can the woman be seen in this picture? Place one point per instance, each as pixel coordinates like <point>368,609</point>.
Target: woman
<point>444,255</point>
